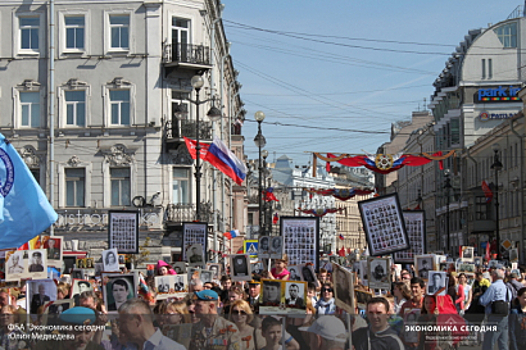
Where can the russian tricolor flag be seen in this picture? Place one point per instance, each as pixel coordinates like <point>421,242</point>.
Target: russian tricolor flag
<point>341,237</point>
<point>231,234</point>
<point>226,161</point>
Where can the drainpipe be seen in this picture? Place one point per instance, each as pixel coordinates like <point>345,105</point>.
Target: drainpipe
<point>520,182</point>
<point>51,90</point>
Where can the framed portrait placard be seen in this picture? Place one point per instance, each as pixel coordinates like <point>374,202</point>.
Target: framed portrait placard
<point>415,224</point>
<point>301,239</point>
<point>384,225</point>
<point>195,233</point>
<point>170,286</point>
<point>39,294</point>
<point>53,246</point>
<point>282,297</point>
<point>26,264</point>
<point>468,253</point>
<point>424,264</point>
<point>240,267</point>
<point>343,288</point>
<point>438,283</point>
<point>362,297</point>
<point>264,247</point>
<point>379,273</point>
<point>123,231</point>
<point>117,288</point>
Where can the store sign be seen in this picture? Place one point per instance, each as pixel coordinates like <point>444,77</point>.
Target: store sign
<point>487,116</point>
<point>498,94</point>
<point>80,219</point>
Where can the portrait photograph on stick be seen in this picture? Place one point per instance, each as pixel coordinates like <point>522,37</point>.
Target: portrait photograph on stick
<point>215,269</point>
<point>39,293</point>
<point>384,225</point>
<point>295,295</point>
<point>424,264</point>
<point>415,224</point>
<point>53,246</point>
<point>379,273</point>
<point>110,260</point>
<point>343,282</point>
<point>468,254</point>
<point>240,267</point>
<point>123,231</point>
<point>117,289</point>
<point>270,299</point>
<point>195,256</point>
<point>264,247</point>
<point>59,306</point>
<point>195,233</point>
<point>300,239</point>
<point>180,267</point>
<point>276,247</point>
<point>437,283</point>
<point>77,287</point>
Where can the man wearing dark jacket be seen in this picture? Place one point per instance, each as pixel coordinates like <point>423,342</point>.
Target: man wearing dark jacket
<point>513,284</point>
<point>379,335</point>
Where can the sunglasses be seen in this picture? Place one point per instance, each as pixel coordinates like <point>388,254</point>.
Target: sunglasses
<point>191,311</point>
<point>238,312</point>
<point>327,290</point>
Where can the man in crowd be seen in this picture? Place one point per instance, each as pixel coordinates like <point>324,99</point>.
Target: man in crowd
<point>418,288</point>
<point>378,335</point>
<point>326,333</point>
<point>496,300</point>
<point>254,288</point>
<point>212,331</point>
<point>136,324</point>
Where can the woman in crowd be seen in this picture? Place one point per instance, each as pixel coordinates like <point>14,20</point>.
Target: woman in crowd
<point>63,290</point>
<point>456,291</point>
<point>463,281</point>
<point>435,340</point>
<point>241,315</point>
<point>518,321</point>
<point>177,322</point>
<point>326,305</point>
<point>163,268</point>
<point>279,271</point>
<point>402,293</point>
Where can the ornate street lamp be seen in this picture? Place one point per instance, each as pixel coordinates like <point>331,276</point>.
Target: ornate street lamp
<point>260,142</point>
<point>213,114</point>
<point>447,187</point>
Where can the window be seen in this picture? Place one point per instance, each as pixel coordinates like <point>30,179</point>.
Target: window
<point>75,28</point>
<point>483,68</point>
<point>180,38</point>
<point>120,107</point>
<point>75,108</point>
<point>490,68</point>
<point>180,186</point>
<point>481,208</point>
<point>36,174</point>
<point>120,32</point>
<point>29,33</point>
<point>30,109</point>
<point>455,131</point>
<point>120,186</point>
<point>75,185</point>
<point>507,34</point>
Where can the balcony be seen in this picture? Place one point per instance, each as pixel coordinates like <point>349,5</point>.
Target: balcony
<point>177,129</point>
<point>186,56</point>
<point>178,213</point>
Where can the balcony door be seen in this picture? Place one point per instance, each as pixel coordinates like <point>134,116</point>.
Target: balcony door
<point>180,39</point>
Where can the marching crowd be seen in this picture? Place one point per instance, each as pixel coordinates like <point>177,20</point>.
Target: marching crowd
<point>485,311</point>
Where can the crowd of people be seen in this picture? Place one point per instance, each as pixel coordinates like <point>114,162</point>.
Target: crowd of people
<point>223,314</point>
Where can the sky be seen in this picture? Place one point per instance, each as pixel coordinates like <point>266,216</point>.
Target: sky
<point>332,75</point>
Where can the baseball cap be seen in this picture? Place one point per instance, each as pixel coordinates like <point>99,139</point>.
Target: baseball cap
<point>328,327</point>
<point>206,295</point>
<point>78,315</point>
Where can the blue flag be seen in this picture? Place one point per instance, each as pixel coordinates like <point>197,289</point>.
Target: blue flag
<point>25,211</point>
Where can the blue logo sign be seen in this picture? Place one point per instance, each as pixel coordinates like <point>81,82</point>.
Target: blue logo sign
<point>486,116</point>
<point>7,173</point>
<point>498,94</point>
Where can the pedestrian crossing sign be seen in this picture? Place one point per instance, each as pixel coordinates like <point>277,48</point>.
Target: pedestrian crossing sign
<point>251,248</point>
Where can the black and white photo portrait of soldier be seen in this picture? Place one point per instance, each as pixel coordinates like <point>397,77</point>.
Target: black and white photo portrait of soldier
<point>206,276</point>
<point>308,274</point>
<point>271,293</point>
<point>437,283</point>
<point>39,298</point>
<point>118,290</point>
<point>342,282</point>
<point>214,269</point>
<point>53,250</point>
<point>424,266</point>
<point>294,276</point>
<point>110,260</point>
<point>378,270</point>
<point>163,285</point>
<point>294,294</point>
<point>179,283</point>
<point>194,254</point>
<point>16,263</point>
<point>239,266</point>
<point>36,262</point>
<point>467,253</point>
<point>180,267</point>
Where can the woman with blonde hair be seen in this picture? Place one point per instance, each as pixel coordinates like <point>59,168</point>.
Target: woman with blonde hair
<point>402,293</point>
<point>241,314</point>
<point>177,322</point>
<point>63,290</point>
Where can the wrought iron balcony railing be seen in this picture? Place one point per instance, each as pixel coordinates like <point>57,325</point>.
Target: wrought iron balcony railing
<point>187,53</point>
<point>177,129</point>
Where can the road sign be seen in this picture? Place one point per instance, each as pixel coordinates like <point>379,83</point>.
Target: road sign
<point>506,244</point>
<point>251,248</point>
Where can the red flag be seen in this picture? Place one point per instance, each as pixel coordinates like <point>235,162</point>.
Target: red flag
<point>341,237</point>
<point>240,251</point>
<point>459,251</point>
<point>192,144</point>
<point>488,193</point>
<point>275,219</point>
<point>487,251</point>
<point>269,195</point>
<point>440,162</point>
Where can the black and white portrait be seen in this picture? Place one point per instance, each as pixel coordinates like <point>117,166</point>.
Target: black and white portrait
<point>307,273</point>
<point>492,264</point>
<point>216,271</point>
<point>180,284</point>
<point>240,268</point>
<point>467,253</point>
<point>437,283</point>
<point>77,287</point>
<point>295,295</point>
<point>477,261</point>
<point>343,286</point>
<point>294,273</point>
<point>37,261</point>
<point>16,266</point>
<point>180,267</point>
<point>39,293</point>
<point>118,288</point>
<point>206,276</point>
<point>424,264</point>
<point>110,260</point>
<point>469,268</point>
<point>77,274</point>
<point>379,273</point>
<point>194,255</point>
<point>163,284</point>
<point>276,246</point>
<point>264,247</point>
<point>271,293</point>
<point>59,306</point>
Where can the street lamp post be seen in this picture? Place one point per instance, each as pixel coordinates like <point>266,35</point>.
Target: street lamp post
<point>260,142</point>
<point>213,114</point>
<point>496,166</point>
<point>447,187</point>
<point>267,205</point>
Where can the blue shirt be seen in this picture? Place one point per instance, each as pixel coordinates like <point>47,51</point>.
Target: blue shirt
<point>159,342</point>
<point>497,291</point>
